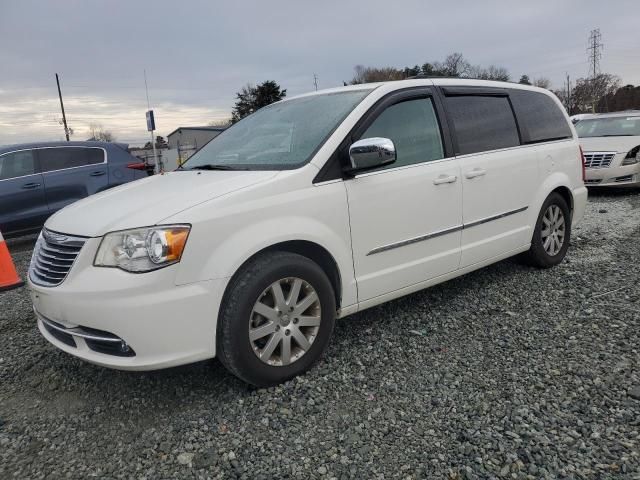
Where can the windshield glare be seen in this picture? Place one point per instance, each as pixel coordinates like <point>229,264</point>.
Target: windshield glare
<point>280,136</point>
<point>608,127</point>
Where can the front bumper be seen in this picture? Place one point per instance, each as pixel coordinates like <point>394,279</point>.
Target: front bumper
<point>163,324</point>
<point>616,175</point>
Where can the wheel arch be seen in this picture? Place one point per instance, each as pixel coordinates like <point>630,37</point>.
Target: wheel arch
<point>311,250</point>
<point>565,193</point>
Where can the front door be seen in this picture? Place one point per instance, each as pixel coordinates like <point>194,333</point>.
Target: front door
<point>72,173</point>
<point>22,203</point>
<point>406,217</point>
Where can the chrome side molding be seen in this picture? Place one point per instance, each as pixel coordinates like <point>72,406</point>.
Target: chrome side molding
<point>446,231</point>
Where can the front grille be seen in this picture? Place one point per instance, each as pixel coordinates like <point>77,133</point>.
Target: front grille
<point>626,178</point>
<point>598,159</point>
<point>53,257</point>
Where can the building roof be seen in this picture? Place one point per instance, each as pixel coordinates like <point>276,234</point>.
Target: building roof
<point>212,129</point>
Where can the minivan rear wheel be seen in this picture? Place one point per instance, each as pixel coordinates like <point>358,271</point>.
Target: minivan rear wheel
<point>552,233</point>
<point>276,318</point>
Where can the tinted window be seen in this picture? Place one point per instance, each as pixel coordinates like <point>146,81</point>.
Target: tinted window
<point>539,116</point>
<point>482,123</point>
<point>17,164</point>
<point>69,157</point>
<point>413,128</point>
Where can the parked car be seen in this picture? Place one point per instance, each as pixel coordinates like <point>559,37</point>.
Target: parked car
<point>370,192</point>
<point>38,179</point>
<point>611,144</point>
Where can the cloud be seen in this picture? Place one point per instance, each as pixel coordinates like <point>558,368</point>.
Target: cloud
<point>198,54</point>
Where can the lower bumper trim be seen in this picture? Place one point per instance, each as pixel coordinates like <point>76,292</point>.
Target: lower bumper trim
<point>96,340</point>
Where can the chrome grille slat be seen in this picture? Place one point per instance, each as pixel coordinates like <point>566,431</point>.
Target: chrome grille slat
<point>53,257</point>
<point>53,263</point>
<point>598,159</point>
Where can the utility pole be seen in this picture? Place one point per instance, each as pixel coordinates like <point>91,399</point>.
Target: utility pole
<point>315,81</point>
<point>568,97</point>
<point>64,117</point>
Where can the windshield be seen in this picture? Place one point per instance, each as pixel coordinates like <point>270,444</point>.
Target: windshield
<point>608,127</point>
<point>280,136</point>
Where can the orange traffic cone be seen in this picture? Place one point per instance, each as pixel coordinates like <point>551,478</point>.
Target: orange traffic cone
<point>8,276</point>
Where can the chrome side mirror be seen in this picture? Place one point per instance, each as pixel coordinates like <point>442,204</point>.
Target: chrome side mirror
<point>371,153</point>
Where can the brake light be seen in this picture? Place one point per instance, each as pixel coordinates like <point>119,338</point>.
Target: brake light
<point>137,166</point>
<point>584,173</point>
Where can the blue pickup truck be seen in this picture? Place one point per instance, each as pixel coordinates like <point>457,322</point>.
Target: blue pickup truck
<point>38,179</point>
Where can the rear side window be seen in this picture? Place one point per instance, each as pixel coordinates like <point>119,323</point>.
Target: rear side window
<point>539,116</point>
<point>413,127</point>
<point>482,123</point>
<point>69,157</point>
<point>17,164</point>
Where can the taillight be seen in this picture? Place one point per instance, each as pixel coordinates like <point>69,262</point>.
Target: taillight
<point>584,173</point>
<point>137,166</point>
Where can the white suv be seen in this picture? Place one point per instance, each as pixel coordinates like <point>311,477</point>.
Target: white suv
<point>310,209</point>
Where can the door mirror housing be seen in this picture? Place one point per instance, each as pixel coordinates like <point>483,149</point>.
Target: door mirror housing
<point>370,153</point>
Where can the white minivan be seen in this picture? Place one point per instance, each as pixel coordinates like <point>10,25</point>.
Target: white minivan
<point>308,210</point>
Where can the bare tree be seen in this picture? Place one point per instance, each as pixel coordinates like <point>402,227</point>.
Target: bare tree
<point>372,74</point>
<point>542,82</point>
<point>490,73</point>
<point>98,133</point>
<point>455,65</point>
<point>590,94</point>
<point>225,122</point>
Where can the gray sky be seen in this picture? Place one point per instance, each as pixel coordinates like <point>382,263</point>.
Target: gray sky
<point>199,53</point>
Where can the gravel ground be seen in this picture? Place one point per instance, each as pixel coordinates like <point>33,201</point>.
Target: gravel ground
<point>508,372</point>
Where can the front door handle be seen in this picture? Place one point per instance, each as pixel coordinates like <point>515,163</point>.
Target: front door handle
<point>476,172</point>
<point>444,179</point>
<point>30,186</point>
<point>97,174</point>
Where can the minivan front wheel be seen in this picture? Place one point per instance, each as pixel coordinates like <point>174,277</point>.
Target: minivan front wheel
<point>276,319</point>
<point>552,233</point>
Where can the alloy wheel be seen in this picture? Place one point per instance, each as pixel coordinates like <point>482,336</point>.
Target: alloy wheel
<point>553,230</point>
<point>284,321</point>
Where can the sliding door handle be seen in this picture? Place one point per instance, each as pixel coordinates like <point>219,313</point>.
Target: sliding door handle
<point>444,179</point>
<point>476,172</point>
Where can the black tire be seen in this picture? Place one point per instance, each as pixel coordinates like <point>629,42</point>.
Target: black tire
<point>233,346</point>
<point>537,256</point>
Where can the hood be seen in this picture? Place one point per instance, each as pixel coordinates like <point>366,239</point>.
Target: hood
<point>609,144</point>
<point>149,201</point>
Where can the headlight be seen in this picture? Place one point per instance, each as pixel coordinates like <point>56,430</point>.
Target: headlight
<point>142,249</point>
<point>632,157</point>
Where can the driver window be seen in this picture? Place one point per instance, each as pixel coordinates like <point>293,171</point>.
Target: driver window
<point>413,127</point>
<point>17,164</point>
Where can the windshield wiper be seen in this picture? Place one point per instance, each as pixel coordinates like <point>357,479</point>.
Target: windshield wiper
<point>211,166</point>
<point>619,135</point>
